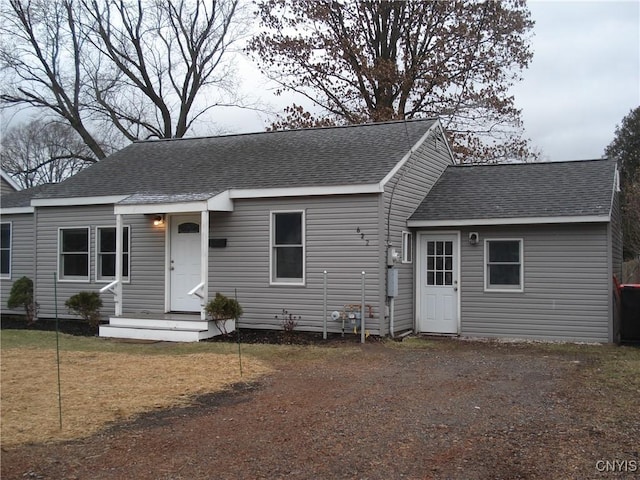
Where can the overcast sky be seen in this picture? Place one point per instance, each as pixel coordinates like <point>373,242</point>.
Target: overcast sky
<point>584,78</point>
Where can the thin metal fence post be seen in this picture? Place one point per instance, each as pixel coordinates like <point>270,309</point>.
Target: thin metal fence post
<point>324,311</point>
<point>362,309</point>
<point>55,302</point>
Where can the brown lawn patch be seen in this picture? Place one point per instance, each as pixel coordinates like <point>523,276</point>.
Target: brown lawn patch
<point>102,387</point>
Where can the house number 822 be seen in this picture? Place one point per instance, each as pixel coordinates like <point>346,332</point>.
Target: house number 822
<point>362,236</point>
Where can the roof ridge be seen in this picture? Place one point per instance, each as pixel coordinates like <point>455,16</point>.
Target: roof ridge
<point>328,127</point>
<point>550,162</point>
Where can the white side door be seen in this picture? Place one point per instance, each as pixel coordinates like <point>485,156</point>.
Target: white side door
<point>438,279</point>
<point>185,261</point>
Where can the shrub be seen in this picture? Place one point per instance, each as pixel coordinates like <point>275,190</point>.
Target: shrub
<point>223,308</point>
<point>289,322</point>
<point>87,305</point>
<point>21,295</point>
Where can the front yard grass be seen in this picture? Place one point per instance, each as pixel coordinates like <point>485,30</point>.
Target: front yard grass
<point>105,380</point>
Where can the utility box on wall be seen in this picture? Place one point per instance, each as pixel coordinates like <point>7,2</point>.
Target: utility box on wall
<point>392,282</point>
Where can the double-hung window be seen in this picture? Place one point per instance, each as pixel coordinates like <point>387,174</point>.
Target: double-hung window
<point>287,247</point>
<point>106,253</point>
<point>73,251</point>
<point>503,264</point>
<point>5,250</point>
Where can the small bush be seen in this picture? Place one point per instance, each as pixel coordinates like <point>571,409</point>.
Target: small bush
<point>223,308</point>
<point>87,305</point>
<point>289,322</point>
<point>21,295</point>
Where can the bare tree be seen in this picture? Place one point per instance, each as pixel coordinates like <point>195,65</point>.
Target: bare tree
<point>164,57</point>
<point>625,148</point>
<point>131,66</point>
<point>42,53</point>
<point>39,152</point>
<point>382,60</point>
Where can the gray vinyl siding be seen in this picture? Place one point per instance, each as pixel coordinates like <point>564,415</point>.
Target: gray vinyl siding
<point>145,290</point>
<point>5,187</point>
<point>332,244</point>
<point>405,192</point>
<point>566,285</point>
<point>22,235</point>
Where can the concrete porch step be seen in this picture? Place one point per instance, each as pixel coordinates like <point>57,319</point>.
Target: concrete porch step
<point>163,327</point>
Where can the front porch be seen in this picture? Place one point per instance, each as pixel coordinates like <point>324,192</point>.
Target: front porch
<point>170,327</point>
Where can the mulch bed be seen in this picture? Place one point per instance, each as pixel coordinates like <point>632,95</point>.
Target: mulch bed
<point>252,336</point>
<point>69,326</point>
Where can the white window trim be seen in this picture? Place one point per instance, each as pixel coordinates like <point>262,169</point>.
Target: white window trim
<point>86,279</point>
<point>487,287</point>
<point>126,279</point>
<point>7,276</point>
<point>294,282</point>
<point>407,239</point>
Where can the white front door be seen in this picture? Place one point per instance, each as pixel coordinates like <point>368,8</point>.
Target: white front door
<point>185,260</point>
<point>438,284</point>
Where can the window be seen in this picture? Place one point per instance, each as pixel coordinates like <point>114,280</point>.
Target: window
<point>440,262</point>
<point>407,247</point>
<point>106,253</point>
<point>503,260</point>
<point>5,250</point>
<point>189,227</point>
<point>287,251</point>
<point>73,248</point>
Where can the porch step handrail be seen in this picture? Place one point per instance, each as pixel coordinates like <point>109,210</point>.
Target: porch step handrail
<point>110,288</point>
<point>196,291</point>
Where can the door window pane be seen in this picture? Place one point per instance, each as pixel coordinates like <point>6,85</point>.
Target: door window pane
<point>440,263</point>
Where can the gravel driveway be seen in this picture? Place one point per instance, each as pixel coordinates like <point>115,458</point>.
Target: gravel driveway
<point>461,410</point>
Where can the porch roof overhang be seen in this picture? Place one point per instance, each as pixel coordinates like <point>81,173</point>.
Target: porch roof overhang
<point>468,222</point>
<point>15,210</point>
<point>172,203</point>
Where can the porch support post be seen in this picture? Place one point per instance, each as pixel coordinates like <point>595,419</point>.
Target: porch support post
<point>119,248</point>
<point>204,261</point>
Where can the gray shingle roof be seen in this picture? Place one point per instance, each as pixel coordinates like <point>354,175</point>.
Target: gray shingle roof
<point>351,155</point>
<point>552,189</point>
<point>22,198</point>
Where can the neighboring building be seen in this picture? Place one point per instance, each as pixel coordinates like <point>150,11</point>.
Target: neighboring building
<point>166,224</point>
<point>7,184</point>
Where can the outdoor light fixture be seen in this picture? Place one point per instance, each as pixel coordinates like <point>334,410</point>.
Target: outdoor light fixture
<point>158,220</point>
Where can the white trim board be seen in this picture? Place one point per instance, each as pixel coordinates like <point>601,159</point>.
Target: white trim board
<point>508,221</point>
<point>72,201</point>
<point>15,210</point>
<point>305,191</point>
<point>152,208</point>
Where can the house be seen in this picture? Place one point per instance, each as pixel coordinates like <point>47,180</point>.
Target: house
<point>257,216</point>
<point>7,184</point>
<point>322,220</point>
<point>520,250</point>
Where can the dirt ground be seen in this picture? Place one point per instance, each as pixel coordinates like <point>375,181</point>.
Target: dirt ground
<point>459,410</point>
